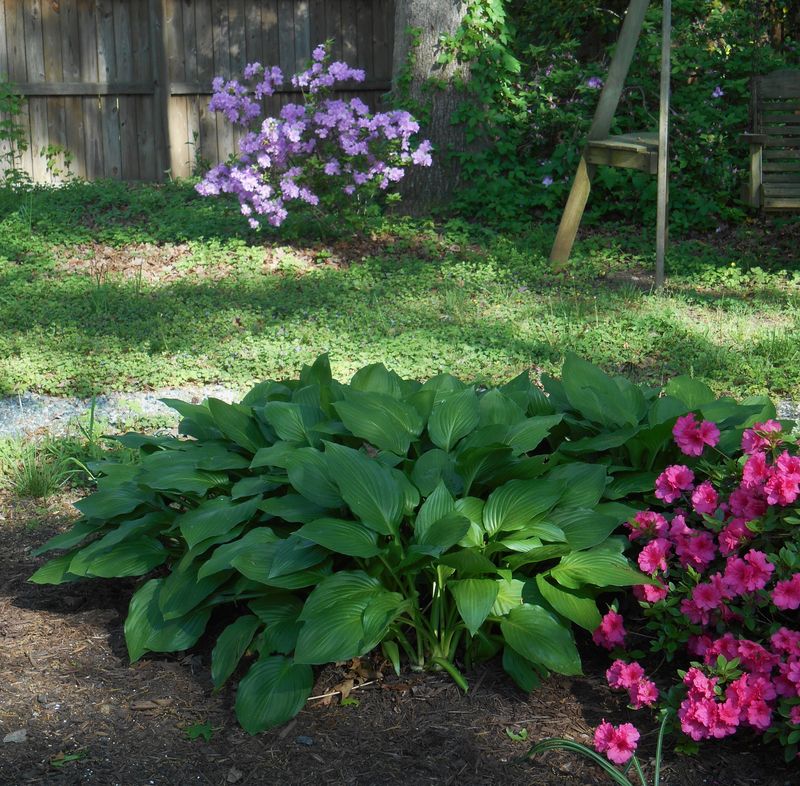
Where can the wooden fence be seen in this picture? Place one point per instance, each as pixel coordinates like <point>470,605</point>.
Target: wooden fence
<point>123,85</point>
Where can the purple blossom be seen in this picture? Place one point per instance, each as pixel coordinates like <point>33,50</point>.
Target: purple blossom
<point>594,82</point>
<point>340,138</point>
<point>718,92</point>
<point>547,181</point>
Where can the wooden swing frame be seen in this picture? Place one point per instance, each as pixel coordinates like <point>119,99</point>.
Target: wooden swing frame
<point>645,151</point>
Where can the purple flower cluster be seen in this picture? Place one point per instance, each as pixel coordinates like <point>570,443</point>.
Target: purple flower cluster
<point>322,147</point>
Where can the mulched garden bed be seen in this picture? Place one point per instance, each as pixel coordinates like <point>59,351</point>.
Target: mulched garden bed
<point>91,718</point>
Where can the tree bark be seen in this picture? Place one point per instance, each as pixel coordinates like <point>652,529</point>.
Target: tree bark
<point>432,85</point>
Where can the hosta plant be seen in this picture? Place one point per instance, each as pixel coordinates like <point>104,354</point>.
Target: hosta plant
<point>445,522</point>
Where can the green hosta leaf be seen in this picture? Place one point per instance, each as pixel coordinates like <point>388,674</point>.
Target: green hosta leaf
<point>468,562</point>
<point>407,489</point>
<point>292,507</point>
<point>583,527</point>
<point>114,501</point>
<point>538,554</point>
<point>514,505</point>
<point>626,484</point>
<point>253,487</point>
<point>665,409</point>
<point>600,567</point>
<point>436,506</point>
<point>445,532</point>
<point>197,420</point>
<point>453,417</point>
<point>222,557</point>
<point>337,622</point>
<point>376,378</point>
<point>483,464</point>
<point>538,636</point>
<point>182,590</point>
<point>277,455</point>
<point>351,538</point>
<point>214,517</point>
<point>273,692</point>
<point>237,423</point>
<point>292,422</point>
<point>584,484</point>
<point>368,488</point>
<point>521,670</point>
<point>174,471</point>
<point>472,508</point>
<point>497,408</point>
<point>692,392</point>
<point>231,645</point>
<point>308,473</point>
<point>579,607</point>
<point>81,529</point>
<point>266,391</point>
<point>214,456</point>
<point>380,419</point>
<point>294,554</point>
<point>601,442</point>
<point>132,557</point>
<point>146,630</point>
<point>435,466</point>
<point>474,600</point>
<point>527,435</point>
<point>509,596</point>
<point>279,612</point>
<point>256,564</point>
<point>594,394</point>
<point>55,571</point>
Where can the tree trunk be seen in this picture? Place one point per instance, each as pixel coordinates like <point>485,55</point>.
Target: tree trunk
<point>414,68</point>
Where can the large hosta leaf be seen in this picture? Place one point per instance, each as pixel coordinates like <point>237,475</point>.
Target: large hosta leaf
<point>380,419</point>
<point>231,645</point>
<point>526,435</point>
<point>474,600</point>
<point>308,473</point>
<point>175,471</point>
<point>132,557</point>
<point>147,630</point>
<point>214,517</point>
<point>182,590</point>
<point>273,692</point>
<point>521,670</point>
<point>445,533</point>
<point>514,505</point>
<point>367,487</point>
<point>584,484</point>
<point>435,507</point>
<point>197,421</point>
<point>600,566</point>
<point>222,558</point>
<point>292,422</point>
<point>584,527</point>
<point>55,571</point>
<point>453,416</point>
<point>66,540</point>
<point>435,466</point>
<point>292,507</point>
<point>351,538</point>
<point>344,617</point>
<point>237,423</point>
<point>256,564</point>
<point>538,636</point>
<point>279,611</point>
<point>576,605</point>
<point>112,501</point>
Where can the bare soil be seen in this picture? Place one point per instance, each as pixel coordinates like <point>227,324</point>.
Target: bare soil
<point>90,717</point>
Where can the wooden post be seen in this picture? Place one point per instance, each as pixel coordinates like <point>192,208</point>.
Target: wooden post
<point>663,145</point>
<point>601,125</point>
<point>158,59</point>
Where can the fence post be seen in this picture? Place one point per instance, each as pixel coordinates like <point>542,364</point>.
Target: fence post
<point>158,59</point>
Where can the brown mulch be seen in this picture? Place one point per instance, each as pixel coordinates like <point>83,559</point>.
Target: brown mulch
<point>91,718</point>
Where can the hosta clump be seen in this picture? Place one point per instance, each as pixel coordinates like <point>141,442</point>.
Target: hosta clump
<point>445,522</point>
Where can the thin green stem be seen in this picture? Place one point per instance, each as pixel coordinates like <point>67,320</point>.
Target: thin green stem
<point>458,678</point>
<point>639,772</point>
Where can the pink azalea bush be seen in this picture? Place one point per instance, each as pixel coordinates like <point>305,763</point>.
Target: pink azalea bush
<point>725,556</point>
<point>317,153</point>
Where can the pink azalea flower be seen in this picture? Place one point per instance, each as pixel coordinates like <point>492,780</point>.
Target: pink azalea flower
<point>650,593</point>
<point>646,523</point>
<point>654,555</point>
<point>786,595</point>
<point>754,439</point>
<point>672,481</point>
<point>705,498</point>
<point>706,597</point>
<point>611,632</point>
<point>691,437</point>
<point>755,471</point>
<point>618,743</point>
<point>786,641</point>
<point>696,550</point>
<point>643,694</point>
<point>623,675</point>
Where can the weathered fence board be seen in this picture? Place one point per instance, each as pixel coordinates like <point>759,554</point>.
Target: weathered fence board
<point>123,85</point>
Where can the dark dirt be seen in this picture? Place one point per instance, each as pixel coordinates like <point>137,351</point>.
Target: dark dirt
<point>91,718</point>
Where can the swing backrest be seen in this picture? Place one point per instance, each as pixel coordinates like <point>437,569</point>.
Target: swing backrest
<point>775,113</point>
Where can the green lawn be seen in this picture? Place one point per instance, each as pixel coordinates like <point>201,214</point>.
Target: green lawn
<point>107,288</point>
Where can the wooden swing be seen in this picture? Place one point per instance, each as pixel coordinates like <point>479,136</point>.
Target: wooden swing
<point>645,151</point>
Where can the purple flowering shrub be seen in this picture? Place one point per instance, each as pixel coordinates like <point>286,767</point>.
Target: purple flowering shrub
<point>725,554</point>
<point>318,153</point>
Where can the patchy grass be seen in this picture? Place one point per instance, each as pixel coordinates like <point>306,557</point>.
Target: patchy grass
<point>105,287</point>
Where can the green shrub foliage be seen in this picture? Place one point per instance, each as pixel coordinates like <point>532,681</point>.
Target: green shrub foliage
<point>537,69</point>
<point>443,521</point>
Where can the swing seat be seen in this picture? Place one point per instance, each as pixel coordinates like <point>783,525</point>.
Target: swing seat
<point>638,150</point>
<point>774,182</point>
